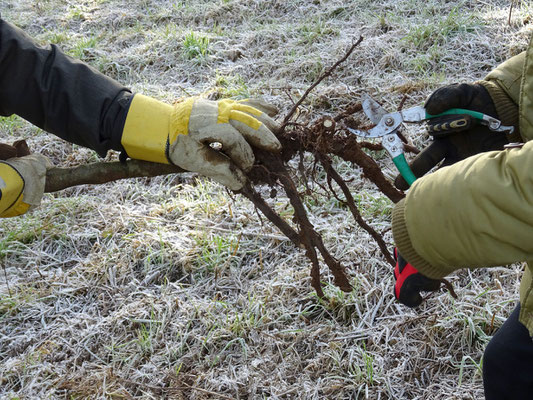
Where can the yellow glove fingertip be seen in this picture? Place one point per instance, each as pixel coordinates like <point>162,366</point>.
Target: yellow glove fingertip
<point>247,119</point>
<point>248,109</point>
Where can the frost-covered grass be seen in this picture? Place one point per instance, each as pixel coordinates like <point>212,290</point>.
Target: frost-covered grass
<point>170,287</point>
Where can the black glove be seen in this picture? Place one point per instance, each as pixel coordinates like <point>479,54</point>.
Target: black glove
<point>455,142</point>
<point>410,282</point>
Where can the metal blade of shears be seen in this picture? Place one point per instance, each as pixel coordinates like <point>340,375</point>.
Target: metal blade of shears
<point>414,114</point>
<point>388,123</point>
<point>376,113</point>
<point>373,110</point>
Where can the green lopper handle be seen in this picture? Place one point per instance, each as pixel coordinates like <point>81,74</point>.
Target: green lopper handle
<point>458,121</point>
<point>452,111</point>
<point>401,162</point>
<point>405,170</point>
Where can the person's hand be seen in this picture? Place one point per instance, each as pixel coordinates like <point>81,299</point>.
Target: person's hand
<point>452,142</point>
<point>184,134</point>
<point>236,126</point>
<point>409,282</point>
<point>22,183</point>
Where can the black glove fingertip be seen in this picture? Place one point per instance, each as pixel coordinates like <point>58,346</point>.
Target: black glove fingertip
<point>409,298</point>
<point>442,99</point>
<point>400,183</point>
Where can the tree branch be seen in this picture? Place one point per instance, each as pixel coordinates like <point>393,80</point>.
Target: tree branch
<point>103,172</point>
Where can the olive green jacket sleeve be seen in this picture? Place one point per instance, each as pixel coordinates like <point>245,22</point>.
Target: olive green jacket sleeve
<point>508,75</point>
<point>475,213</point>
<point>478,212</point>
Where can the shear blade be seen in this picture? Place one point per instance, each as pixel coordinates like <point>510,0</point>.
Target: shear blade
<point>414,114</point>
<point>372,109</point>
<point>371,133</point>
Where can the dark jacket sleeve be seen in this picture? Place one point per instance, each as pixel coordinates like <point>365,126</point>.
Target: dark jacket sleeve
<point>59,94</point>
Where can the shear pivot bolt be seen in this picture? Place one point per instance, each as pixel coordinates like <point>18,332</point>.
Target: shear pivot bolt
<point>389,121</point>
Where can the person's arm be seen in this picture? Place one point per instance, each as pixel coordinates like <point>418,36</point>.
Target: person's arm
<point>77,103</point>
<point>461,213</point>
<point>59,94</point>
<point>475,213</point>
<point>508,76</point>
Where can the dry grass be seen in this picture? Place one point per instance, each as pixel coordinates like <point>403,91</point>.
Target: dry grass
<point>170,288</point>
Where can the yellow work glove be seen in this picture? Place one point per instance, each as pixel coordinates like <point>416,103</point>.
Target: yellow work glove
<point>22,183</point>
<point>182,134</point>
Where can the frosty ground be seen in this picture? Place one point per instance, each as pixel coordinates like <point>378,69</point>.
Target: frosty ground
<point>171,287</point>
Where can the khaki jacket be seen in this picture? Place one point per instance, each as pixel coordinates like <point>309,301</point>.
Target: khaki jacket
<point>478,212</point>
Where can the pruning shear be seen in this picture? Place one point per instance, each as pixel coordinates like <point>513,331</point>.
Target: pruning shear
<point>387,125</point>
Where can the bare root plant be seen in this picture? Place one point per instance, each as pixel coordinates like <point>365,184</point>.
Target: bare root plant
<point>323,138</point>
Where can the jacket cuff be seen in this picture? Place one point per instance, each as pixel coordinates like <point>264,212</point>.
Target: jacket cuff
<point>506,108</point>
<point>405,246</point>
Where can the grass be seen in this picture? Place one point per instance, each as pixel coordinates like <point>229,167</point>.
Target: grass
<point>215,253</point>
<point>82,47</point>
<point>196,46</point>
<point>12,125</point>
<point>369,365</point>
<point>233,86</point>
<point>454,24</point>
<point>315,30</point>
<point>373,206</point>
<point>169,287</point>
<point>57,37</point>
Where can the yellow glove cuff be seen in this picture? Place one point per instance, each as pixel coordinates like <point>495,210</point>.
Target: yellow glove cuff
<point>11,187</point>
<point>146,131</point>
